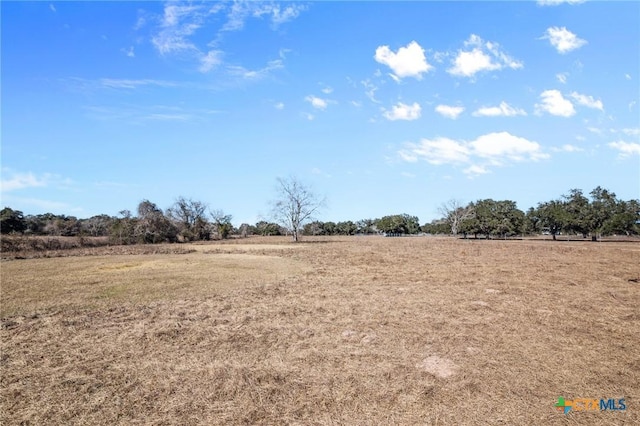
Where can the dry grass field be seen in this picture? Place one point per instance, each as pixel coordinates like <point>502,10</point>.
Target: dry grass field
<point>361,330</point>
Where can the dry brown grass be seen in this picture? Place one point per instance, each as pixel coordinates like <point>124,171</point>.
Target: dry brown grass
<point>350,331</point>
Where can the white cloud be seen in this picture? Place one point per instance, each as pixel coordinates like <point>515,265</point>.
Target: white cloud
<point>317,103</point>
<point>490,150</point>
<point>449,111</point>
<point>22,181</point>
<point>409,61</point>
<point>403,112</point>
<point>558,2</point>
<point>504,110</point>
<point>626,149</point>
<point>370,90</point>
<point>567,148</point>
<point>176,32</point>
<point>632,131</point>
<point>279,106</point>
<point>475,170</point>
<point>437,151</point>
<point>327,90</point>
<point>283,14</point>
<point>555,104</point>
<point>587,101</point>
<point>179,22</point>
<point>114,83</point>
<point>242,10</point>
<point>563,40</point>
<point>212,59</point>
<point>627,76</point>
<point>258,74</point>
<point>562,77</point>
<point>52,7</point>
<point>17,180</point>
<point>130,52</point>
<point>502,146</point>
<point>483,56</point>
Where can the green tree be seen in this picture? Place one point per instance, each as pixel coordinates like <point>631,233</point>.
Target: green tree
<point>553,216</point>
<point>494,218</point>
<point>346,228</point>
<point>366,226</point>
<point>265,228</point>
<point>578,212</point>
<point>313,228</point>
<point>12,221</point>
<point>398,224</point>
<point>625,219</point>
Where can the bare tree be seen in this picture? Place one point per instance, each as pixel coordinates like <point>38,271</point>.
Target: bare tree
<point>191,217</point>
<point>296,205</point>
<point>454,213</point>
<point>222,223</point>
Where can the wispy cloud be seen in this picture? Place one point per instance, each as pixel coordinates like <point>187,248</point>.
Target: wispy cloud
<point>502,110</point>
<point>49,206</point>
<point>278,14</point>
<point>179,22</point>
<point>562,77</point>
<point>141,114</point>
<point>114,83</point>
<point>587,101</point>
<point>179,27</point>
<point>370,90</point>
<point>567,148</point>
<point>481,56</point>
<point>257,74</point>
<point>626,149</point>
<point>210,60</point>
<point>631,131</point>
<point>15,181</point>
<point>558,2</point>
<point>130,52</point>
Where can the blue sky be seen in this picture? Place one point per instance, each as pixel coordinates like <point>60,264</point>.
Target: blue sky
<point>382,107</point>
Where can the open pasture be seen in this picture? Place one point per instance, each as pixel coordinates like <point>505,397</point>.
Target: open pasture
<point>360,330</point>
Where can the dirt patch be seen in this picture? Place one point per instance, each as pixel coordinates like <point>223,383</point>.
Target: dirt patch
<point>439,367</point>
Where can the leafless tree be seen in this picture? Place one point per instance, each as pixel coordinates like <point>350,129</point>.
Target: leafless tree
<point>296,204</point>
<point>454,212</point>
<point>221,223</point>
<point>191,217</point>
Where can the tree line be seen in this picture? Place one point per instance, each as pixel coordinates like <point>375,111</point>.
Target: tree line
<point>599,215</point>
<point>294,210</point>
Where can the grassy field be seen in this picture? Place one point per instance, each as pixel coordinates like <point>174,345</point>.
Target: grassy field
<point>361,330</point>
